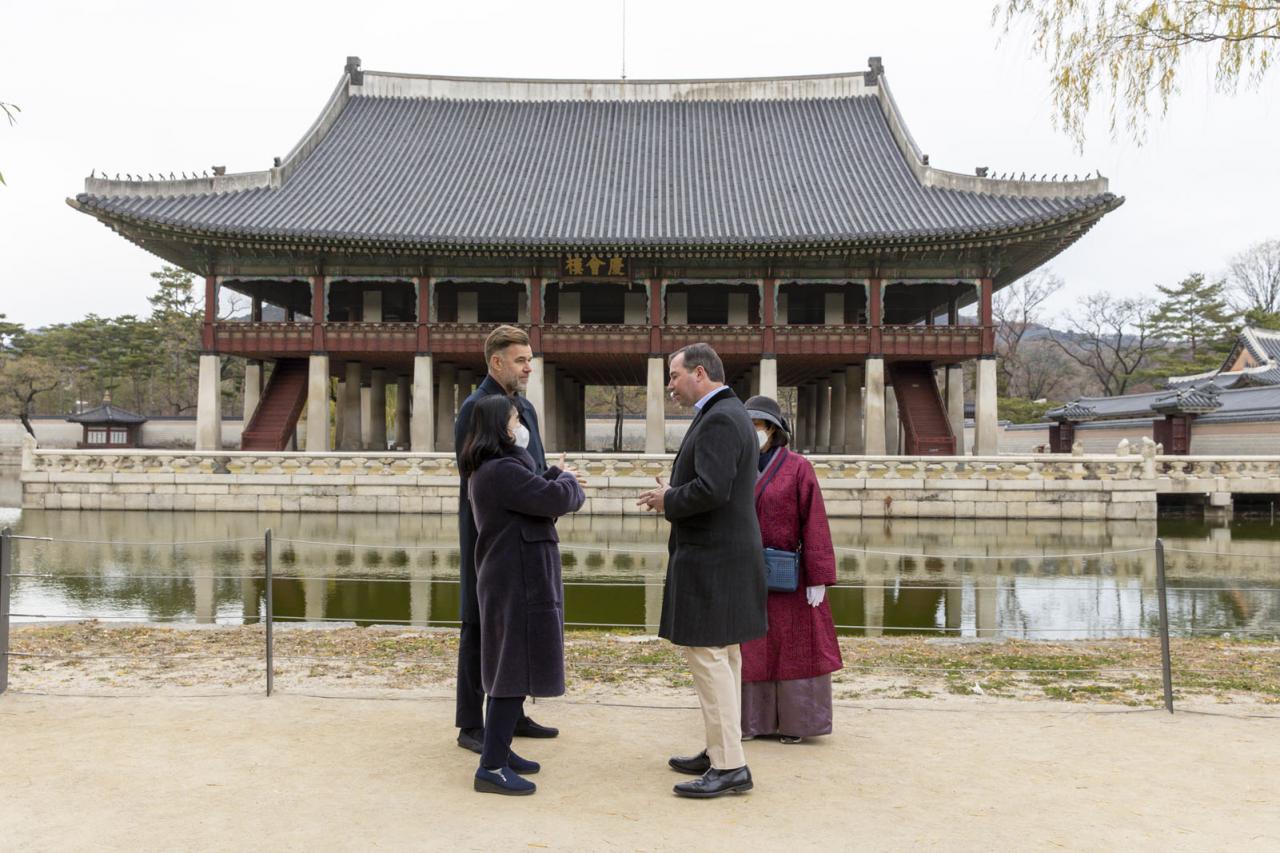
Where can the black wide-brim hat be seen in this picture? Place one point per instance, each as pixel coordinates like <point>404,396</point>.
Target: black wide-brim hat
<point>766,409</point>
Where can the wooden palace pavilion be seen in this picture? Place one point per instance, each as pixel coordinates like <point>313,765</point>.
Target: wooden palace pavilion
<point>790,222</point>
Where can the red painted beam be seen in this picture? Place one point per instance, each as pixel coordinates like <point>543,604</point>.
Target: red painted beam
<point>317,313</point>
<point>876,316</point>
<point>535,315</point>
<point>768,314</point>
<point>207,340</point>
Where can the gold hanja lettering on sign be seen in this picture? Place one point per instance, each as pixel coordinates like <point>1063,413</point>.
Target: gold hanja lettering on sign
<point>616,265</point>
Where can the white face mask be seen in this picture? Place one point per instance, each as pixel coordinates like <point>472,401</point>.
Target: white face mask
<point>522,435</point>
<point>763,435</point>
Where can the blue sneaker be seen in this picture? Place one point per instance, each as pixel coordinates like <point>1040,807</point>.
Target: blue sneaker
<point>523,766</point>
<point>502,781</point>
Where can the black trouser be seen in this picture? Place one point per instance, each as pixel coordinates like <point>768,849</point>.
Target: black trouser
<point>469,713</point>
<point>500,727</point>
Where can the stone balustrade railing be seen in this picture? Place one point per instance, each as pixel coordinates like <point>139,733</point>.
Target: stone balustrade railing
<point>1042,486</point>
<point>594,465</point>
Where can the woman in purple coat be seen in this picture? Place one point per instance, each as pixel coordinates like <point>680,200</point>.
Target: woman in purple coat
<point>517,581</point>
<point>786,674</point>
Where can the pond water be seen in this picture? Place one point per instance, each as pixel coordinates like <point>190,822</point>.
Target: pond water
<point>974,578</point>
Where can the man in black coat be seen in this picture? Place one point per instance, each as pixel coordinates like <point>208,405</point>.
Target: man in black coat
<point>510,361</point>
<point>714,598</point>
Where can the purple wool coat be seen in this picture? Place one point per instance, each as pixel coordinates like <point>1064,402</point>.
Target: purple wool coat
<point>518,574</point>
<point>801,642</point>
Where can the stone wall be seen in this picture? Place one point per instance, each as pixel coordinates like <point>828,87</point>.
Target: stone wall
<point>156,433</point>
<point>1033,486</point>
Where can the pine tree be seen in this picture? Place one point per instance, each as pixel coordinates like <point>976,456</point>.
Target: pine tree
<point>1194,318</point>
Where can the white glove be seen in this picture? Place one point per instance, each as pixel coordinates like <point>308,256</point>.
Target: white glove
<point>815,594</point>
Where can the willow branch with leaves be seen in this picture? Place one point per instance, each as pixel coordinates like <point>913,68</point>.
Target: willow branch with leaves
<point>11,113</point>
<point>1137,49</point>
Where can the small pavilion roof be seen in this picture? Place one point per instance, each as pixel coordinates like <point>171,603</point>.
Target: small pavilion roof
<point>108,414</point>
<point>425,163</point>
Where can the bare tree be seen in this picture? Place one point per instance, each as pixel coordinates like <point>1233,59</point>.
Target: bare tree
<point>1042,372</point>
<point>1016,309</point>
<point>1253,279</point>
<point>1110,337</point>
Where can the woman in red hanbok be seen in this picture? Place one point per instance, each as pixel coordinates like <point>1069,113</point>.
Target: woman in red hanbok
<point>786,675</point>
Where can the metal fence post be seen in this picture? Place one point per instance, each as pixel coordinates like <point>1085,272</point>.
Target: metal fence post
<point>269,608</point>
<point>6,569</point>
<point>1166,666</point>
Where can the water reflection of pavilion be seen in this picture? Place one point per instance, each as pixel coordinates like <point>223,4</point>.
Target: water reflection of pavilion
<point>948,575</point>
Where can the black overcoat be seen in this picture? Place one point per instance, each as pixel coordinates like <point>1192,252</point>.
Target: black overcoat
<point>715,593</point>
<point>518,579</point>
<point>469,607</point>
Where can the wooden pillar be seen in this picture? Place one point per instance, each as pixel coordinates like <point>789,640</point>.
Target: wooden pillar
<point>318,314</point>
<point>768,316</point>
<point>534,289</point>
<point>875,316</point>
<point>207,342</point>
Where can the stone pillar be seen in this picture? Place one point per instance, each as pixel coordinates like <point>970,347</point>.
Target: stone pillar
<point>400,437</point>
<point>445,407</point>
<point>838,406</point>
<point>873,410</point>
<point>422,423</point>
<point>466,384</point>
<point>853,409</point>
<point>955,404</point>
<point>339,412</point>
<point>984,409</point>
<point>366,416</point>
<point>551,426</point>
<point>655,418</point>
<point>892,426</point>
<point>768,384</point>
<point>378,410</point>
<point>535,392</point>
<point>351,420</point>
<point>823,416</point>
<point>252,389</point>
<point>797,425</point>
<point>318,404</point>
<point>568,398</point>
<point>209,403</point>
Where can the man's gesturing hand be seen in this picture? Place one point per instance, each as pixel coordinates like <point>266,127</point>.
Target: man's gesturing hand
<point>654,499</point>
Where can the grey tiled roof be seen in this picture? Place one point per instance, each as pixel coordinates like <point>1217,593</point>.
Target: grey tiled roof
<point>107,414</point>
<point>1194,399</point>
<point>440,171</point>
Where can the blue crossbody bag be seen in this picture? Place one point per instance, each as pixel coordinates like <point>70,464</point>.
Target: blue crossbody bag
<point>782,568</point>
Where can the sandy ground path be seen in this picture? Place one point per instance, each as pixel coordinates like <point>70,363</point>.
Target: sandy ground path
<point>183,772</point>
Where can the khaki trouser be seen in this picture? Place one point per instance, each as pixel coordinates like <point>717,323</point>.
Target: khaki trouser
<point>717,676</point>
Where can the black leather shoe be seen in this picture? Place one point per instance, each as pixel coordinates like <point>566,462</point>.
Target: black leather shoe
<point>528,728</point>
<point>714,782</point>
<point>472,739</point>
<point>694,765</point>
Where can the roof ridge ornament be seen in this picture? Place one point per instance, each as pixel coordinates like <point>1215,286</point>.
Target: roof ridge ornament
<point>875,70</point>
<point>353,71</point>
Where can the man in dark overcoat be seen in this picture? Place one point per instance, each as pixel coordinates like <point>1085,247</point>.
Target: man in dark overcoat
<point>510,361</point>
<point>715,596</point>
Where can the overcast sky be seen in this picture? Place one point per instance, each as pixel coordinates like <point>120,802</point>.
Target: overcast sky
<point>159,87</point>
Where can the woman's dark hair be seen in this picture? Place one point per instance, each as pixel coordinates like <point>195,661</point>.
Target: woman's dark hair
<point>487,433</point>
